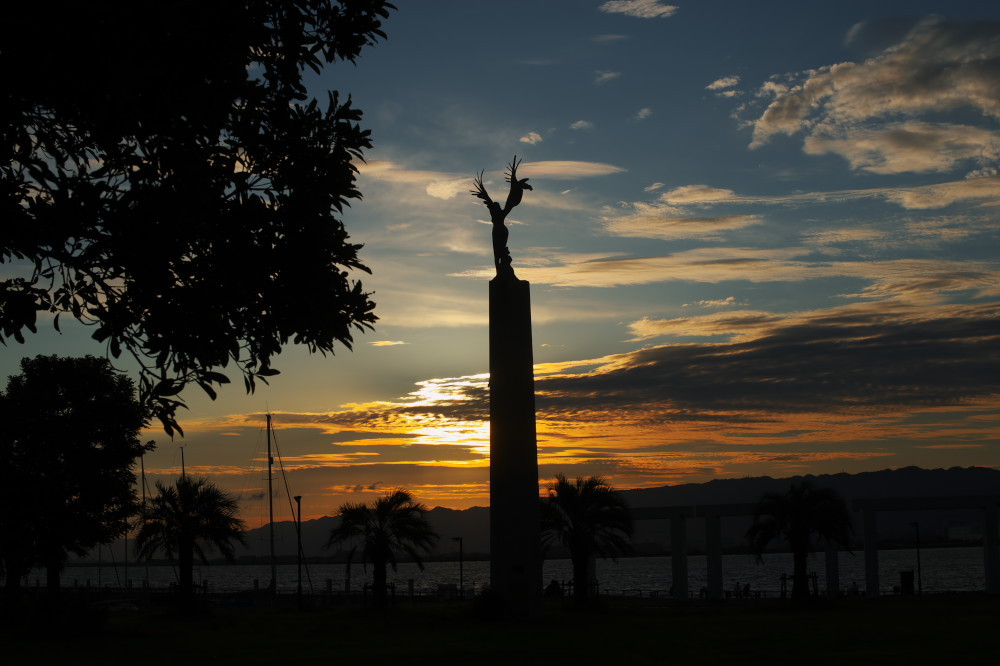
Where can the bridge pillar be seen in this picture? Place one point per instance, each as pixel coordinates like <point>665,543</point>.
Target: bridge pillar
<point>991,549</point>
<point>871,553</point>
<point>713,555</point>
<point>832,570</point>
<point>678,557</point>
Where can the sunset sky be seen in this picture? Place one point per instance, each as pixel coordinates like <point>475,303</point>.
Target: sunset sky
<point>763,239</point>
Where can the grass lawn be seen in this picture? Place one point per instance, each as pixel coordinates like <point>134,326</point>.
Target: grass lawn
<point>928,630</point>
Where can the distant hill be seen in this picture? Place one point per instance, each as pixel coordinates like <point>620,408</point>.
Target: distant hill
<point>894,527</point>
<point>653,537</point>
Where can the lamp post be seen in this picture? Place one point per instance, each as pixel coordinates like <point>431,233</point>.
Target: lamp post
<point>461,568</point>
<point>920,583</point>
<point>298,536</point>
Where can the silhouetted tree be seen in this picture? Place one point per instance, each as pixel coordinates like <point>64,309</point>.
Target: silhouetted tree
<point>797,517</point>
<point>68,443</point>
<point>392,524</point>
<point>165,177</point>
<point>182,519</point>
<point>590,518</point>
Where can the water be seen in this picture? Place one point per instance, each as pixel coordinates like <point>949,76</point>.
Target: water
<point>942,570</point>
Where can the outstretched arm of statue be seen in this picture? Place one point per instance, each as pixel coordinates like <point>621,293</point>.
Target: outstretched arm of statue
<point>517,187</point>
<point>480,190</point>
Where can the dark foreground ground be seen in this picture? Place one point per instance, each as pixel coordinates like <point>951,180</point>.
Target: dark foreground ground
<point>940,630</point>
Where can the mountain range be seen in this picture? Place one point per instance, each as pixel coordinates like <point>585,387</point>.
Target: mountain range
<point>653,536</point>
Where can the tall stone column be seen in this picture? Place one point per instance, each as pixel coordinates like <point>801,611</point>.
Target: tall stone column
<point>515,549</point>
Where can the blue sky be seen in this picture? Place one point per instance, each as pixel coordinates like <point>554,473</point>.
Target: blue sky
<point>762,240</point>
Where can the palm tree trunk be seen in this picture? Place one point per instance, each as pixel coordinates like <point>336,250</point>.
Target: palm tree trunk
<point>378,593</point>
<point>581,578</point>
<point>185,565</point>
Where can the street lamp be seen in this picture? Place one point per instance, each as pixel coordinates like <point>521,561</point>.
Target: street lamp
<point>298,535</point>
<point>461,567</point>
<point>920,583</point>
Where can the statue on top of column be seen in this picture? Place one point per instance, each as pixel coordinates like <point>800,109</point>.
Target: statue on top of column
<point>501,253</point>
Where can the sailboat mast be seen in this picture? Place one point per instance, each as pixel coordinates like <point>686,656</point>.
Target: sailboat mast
<point>270,507</point>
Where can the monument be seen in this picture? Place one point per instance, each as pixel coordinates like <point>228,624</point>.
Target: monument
<point>515,549</point>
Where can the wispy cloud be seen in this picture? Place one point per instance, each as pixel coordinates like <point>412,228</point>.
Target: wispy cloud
<point>723,83</point>
<point>909,146</point>
<point>531,138</point>
<point>601,76</point>
<point>911,278</point>
<point>436,184</point>
<point>984,190</point>
<point>582,125</point>
<point>649,222</point>
<point>609,38</point>
<point>717,303</point>
<point>388,343</point>
<point>569,169</point>
<point>643,113</point>
<point>639,8</point>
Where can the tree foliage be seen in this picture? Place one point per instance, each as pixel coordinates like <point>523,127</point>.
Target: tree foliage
<point>185,518</point>
<point>392,525</point>
<point>68,445</point>
<point>799,517</point>
<point>590,518</point>
<point>166,179</point>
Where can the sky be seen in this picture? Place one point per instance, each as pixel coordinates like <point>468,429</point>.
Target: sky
<point>762,240</point>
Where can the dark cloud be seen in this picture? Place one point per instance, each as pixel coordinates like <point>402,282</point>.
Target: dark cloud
<point>849,362</point>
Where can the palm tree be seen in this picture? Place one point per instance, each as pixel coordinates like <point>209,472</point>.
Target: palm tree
<point>797,516</point>
<point>185,517</point>
<point>591,519</point>
<point>391,525</point>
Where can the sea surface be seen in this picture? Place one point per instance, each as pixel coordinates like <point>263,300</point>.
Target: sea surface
<point>941,570</point>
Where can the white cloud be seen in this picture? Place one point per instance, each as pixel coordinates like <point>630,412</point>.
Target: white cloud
<point>568,169</point>
<point>945,194</point>
<point>436,183</point>
<point>582,125</point>
<point>909,147</point>
<point>643,113</point>
<point>446,189</point>
<point>696,194</point>
<point>938,67</point>
<point>654,186</point>
<point>639,8</point>
<point>724,82</point>
<point>531,138</point>
<point>603,76</point>
<point>720,303</point>
<point>984,190</point>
